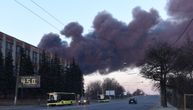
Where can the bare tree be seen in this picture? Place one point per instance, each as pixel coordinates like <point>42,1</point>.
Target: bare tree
<point>182,81</point>
<point>93,89</point>
<point>112,84</point>
<point>138,92</point>
<point>158,64</point>
<point>97,87</point>
<point>184,62</point>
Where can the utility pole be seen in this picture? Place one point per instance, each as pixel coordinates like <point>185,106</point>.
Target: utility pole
<point>102,87</point>
<point>17,82</point>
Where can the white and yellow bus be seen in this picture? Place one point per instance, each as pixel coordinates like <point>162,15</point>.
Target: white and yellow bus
<point>61,98</point>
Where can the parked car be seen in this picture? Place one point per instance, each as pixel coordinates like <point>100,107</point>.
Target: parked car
<point>132,101</point>
<point>83,101</point>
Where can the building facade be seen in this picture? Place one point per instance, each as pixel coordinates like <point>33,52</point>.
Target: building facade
<point>13,45</point>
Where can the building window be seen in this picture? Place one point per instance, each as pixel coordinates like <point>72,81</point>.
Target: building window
<point>1,47</point>
<point>27,52</point>
<point>40,57</point>
<point>0,44</point>
<point>35,58</point>
<point>18,51</point>
<point>8,48</point>
<point>35,61</point>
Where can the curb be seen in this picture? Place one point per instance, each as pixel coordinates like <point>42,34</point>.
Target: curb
<point>159,107</point>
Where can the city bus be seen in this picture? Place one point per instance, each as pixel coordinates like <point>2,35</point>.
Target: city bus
<point>61,98</point>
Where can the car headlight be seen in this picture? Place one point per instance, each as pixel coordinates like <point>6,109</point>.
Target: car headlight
<point>84,101</point>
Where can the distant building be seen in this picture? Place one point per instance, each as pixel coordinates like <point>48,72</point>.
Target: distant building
<point>13,45</point>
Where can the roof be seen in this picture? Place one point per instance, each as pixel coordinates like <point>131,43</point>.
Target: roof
<point>60,93</point>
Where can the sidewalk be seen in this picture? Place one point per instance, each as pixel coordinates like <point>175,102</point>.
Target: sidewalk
<point>159,107</point>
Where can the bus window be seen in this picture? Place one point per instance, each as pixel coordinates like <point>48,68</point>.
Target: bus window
<point>61,98</point>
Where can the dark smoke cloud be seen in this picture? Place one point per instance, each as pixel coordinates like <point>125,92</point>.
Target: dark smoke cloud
<point>180,8</point>
<point>143,21</point>
<point>73,30</point>
<point>53,43</point>
<point>50,38</point>
<point>108,27</point>
<point>181,13</point>
<point>114,45</point>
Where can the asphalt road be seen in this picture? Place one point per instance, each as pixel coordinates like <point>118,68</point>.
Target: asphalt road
<point>144,103</point>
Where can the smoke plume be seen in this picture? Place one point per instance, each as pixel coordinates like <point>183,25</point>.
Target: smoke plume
<point>113,44</point>
<point>180,8</point>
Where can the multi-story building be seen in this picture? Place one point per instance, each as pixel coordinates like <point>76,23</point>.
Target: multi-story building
<point>14,45</point>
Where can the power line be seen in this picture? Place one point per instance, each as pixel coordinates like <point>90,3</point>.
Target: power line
<point>47,12</point>
<point>36,15</point>
<point>183,31</point>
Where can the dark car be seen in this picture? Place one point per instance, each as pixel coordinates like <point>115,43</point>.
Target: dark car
<point>83,101</point>
<point>132,101</point>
